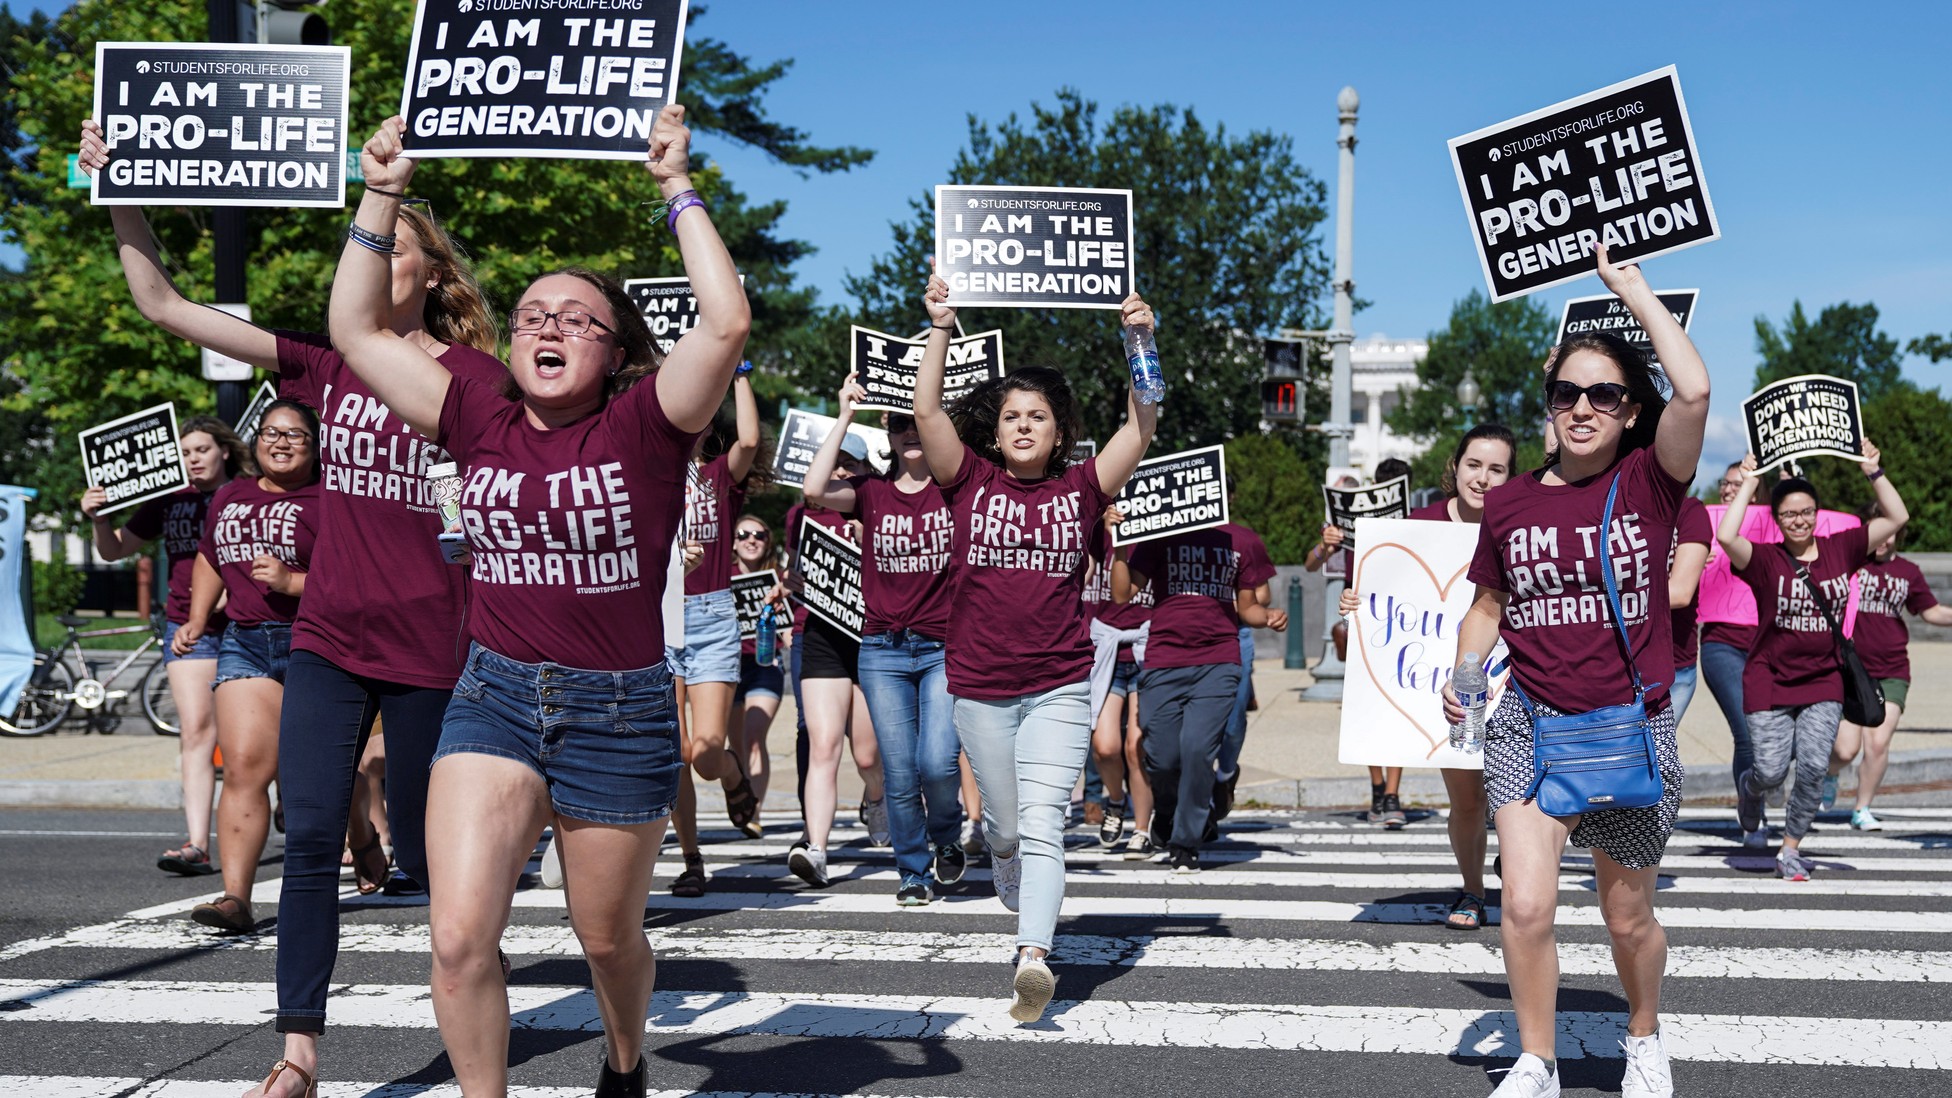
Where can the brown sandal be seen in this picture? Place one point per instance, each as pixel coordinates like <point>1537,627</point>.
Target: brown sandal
<point>691,883</point>
<point>369,879</point>
<point>226,912</point>
<point>311,1085</point>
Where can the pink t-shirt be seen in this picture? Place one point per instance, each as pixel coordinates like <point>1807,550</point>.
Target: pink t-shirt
<point>1691,528</point>
<point>905,573</point>
<point>380,600</point>
<point>1888,589</point>
<point>246,520</point>
<point>1016,623</point>
<point>1541,544</point>
<point>1198,577</point>
<point>712,505</point>
<point>178,519</point>
<point>1794,661</point>
<point>571,529</point>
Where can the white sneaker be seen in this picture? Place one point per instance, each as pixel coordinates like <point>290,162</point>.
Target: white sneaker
<point>1757,839</point>
<point>1139,847</point>
<point>1863,819</point>
<point>874,814</point>
<point>1530,1077</point>
<point>809,863</point>
<point>1031,990</point>
<point>1007,873</point>
<point>1647,1072</point>
<point>552,864</point>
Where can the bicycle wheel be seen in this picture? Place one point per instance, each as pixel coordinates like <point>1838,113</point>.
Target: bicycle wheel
<point>158,704</point>
<point>43,704</point>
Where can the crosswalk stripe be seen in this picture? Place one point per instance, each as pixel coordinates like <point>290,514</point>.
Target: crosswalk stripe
<point>1720,1038</point>
<point>1133,951</point>
<point>76,1086</point>
<point>1433,833</point>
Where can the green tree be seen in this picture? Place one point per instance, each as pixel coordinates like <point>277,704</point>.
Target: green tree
<point>1275,492</point>
<point>1913,432</point>
<point>1504,346</point>
<point>83,353</point>
<point>1844,343</point>
<point>1227,242</point>
<point>1936,347</point>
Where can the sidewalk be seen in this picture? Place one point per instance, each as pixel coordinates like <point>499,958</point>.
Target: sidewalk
<point>1290,758</point>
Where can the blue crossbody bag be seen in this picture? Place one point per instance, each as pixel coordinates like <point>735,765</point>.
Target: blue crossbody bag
<point>1589,762</point>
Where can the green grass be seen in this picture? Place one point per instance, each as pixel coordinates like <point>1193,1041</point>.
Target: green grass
<point>47,631</point>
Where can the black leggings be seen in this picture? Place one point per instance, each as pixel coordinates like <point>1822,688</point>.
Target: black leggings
<point>328,713</point>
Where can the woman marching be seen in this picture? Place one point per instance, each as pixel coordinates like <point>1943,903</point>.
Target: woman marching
<point>1018,656</point>
<point>1539,588</point>
<point>212,455</point>
<point>905,579</point>
<point>760,685</point>
<point>565,710</point>
<point>1482,461</point>
<point>379,633</point>
<point>1118,631</point>
<point>257,548</point>
<point>1793,689</point>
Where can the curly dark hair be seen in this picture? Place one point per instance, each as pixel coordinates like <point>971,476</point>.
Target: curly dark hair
<point>306,416</point>
<point>977,411</point>
<point>1646,385</point>
<point>720,436</point>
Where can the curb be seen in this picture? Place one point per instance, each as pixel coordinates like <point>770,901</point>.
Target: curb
<point>105,793</point>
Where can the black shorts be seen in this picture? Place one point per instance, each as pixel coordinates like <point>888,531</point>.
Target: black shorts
<point>758,680</point>
<point>828,653</point>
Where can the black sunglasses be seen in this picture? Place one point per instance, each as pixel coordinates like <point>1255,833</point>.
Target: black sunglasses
<point>749,535</point>
<point>1606,397</point>
<point>900,423</point>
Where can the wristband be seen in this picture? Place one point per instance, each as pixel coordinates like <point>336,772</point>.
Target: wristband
<point>950,328</point>
<point>1875,473</point>
<point>679,203</point>
<point>372,241</point>
<point>744,369</point>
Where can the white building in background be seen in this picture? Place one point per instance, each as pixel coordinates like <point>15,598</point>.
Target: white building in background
<point>1381,368</point>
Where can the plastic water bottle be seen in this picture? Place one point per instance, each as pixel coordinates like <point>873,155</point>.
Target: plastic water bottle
<point>1473,691</point>
<point>1142,354</point>
<point>766,647</point>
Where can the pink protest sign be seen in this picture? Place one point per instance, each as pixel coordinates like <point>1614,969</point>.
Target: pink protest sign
<point>1723,597</point>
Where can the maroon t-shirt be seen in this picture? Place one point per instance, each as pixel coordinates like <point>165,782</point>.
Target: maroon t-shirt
<point>1198,577</point>
<point>1727,632</point>
<point>832,520</point>
<point>1541,544</point>
<point>1794,661</point>
<point>1885,590</point>
<point>1434,512</point>
<point>1016,623</point>
<point>178,519</point>
<point>571,528</point>
<point>245,521</point>
<point>1097,595</point>
<point>905,573</point>
<point>380,599</point>
<point>712,505</point>
<point>1691,528</point>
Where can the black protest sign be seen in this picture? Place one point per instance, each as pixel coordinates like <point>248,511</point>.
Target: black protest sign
<point>831,566</point>
<point>1390,499</point>
<point>800,438</point>
<point>247,424</point>
<point>568,78</point>
<point>886,367</point>
<point>1616,167</point>
<point>1174,494</point>
<point>1061,247</point>
<point>134,458</point>
<point>668,305</point>
<point>1804,416</point>
<point>749,590</point>
<point>1083,450</point>
<point>199,125</point>
<point>1605,313</point>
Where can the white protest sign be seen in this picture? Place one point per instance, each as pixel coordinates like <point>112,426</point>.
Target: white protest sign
<point>800,438</point>
<point>134,458</point>
<point>1173,494</point>
<point>1410,578</point>
<point>1059,247</point>
<point>1811,415</point>
<point>562,78</point>
<point>886,366</point>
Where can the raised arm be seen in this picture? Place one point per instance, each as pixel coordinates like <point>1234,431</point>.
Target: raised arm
<point>941,445</point>
<point>692,381</point>
<point>1678,442</point>
<point>822,487</point>
<point>1685,577</point>
<point>112,542</point>
<point>1126,448</point>
<point>399,371</point>
<point>1728,534</point>
<point>745,412</point>
<point>156,296</point>
<point>1892,513</point>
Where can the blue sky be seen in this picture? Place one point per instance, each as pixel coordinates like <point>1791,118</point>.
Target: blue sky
<point>1825,133</point>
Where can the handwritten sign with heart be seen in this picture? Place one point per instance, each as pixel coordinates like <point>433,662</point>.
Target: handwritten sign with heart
<point>1410,577</point>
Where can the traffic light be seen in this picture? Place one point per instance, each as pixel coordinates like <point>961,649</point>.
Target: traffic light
<point>1282,379</point>
<point>1281,400</point>
<point>292,23</point>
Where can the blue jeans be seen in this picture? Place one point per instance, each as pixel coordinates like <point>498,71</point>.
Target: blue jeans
<point>907,690</point>
<point>254,652</point>
<point>1682,692</point>
<point>1026,752</point>
<point>1236,734</point>
<point>1721,665</point>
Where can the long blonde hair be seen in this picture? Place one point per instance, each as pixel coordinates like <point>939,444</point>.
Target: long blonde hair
<point>457,310</point>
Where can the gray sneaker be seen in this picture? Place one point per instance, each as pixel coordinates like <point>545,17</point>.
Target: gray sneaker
<point>1007,874</point>
<point>874,815</point>
<point>809,863</point>
<point>1140,847</point>
<point>1791,865</point>
<point>1748,807</point>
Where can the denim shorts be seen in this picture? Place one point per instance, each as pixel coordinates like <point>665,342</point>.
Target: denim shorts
<point>254,652</point>
<point>604,742</point>
<point>1125,678</point>
<point>206,648</point>
<point>757,681</point>
<point>711,648</point>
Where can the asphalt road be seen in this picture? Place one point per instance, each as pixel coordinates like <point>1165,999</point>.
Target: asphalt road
<point>1305,959</point>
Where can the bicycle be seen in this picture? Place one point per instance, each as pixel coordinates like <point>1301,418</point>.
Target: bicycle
<point>64,681</point>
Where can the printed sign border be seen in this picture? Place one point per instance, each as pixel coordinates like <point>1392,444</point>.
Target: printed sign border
<point>1131,257</point>
<point>1748,420</point>
<point>1226,509</point>
<point>88,473</point>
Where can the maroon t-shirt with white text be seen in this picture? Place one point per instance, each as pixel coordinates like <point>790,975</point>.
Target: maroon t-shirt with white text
<point>1540,543</point>
<point>712,506</point>
<point>245,521</point>
<point>570,528</point>
<point>1197,577</point>
<point>178,519</point>
<point>1097,594</point>
<point>380,599</point>
<point>1691,528</point>
<point>1016,623</point>
<point>1794,661</point>
<point>905,543</point>
<point>1886,589</point>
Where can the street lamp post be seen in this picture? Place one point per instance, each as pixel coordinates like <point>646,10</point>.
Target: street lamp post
<point>1467,399</point>
<point>1328,672</point>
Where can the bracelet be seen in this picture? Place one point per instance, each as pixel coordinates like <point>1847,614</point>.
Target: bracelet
<point>1875,473</point>
<point>372,241</point>
<point>744,369</point>
<point>950,328</point>
<point>401,195</point>
<point>679,203</point>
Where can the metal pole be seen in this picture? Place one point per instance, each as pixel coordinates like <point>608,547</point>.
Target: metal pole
<point>1328,672</point>
<point>1297,655</point>
<point>227,228</point>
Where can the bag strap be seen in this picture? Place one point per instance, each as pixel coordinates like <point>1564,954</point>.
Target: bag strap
<point>1612,600</point>
<point>1816,592</point>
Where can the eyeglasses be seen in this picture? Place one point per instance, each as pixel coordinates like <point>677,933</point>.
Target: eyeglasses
<point>749,535</point>
<point>568,323</point>
<point>293,436</point>
<point>1805,513</point>
<point>1606,397</point>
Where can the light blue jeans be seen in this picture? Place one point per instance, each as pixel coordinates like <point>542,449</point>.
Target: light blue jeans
<point>1682,692</point>
<point>1026,753</point>
<point>1236,731</point>
<point>908,697</point>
